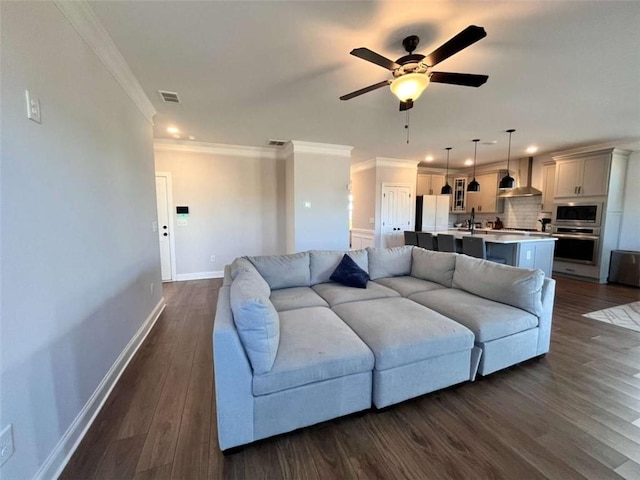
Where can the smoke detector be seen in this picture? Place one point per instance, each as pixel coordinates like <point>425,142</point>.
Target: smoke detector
<point>169,97</point>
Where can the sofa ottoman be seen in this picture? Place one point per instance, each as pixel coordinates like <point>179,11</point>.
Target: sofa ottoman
<point>416,349</point>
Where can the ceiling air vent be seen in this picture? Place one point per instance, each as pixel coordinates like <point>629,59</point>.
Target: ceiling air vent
<point>276,143</point>
<point>170,97</point>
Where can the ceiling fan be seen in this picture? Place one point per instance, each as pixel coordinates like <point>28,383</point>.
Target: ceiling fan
<point>412,73</point>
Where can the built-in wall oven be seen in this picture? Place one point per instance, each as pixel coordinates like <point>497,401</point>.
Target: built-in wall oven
<point>578,214</point>
<point>577,244</point>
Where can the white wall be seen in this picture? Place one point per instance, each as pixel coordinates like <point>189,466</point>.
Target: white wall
<point>363,189</point>
<point>318,197</point>
<point>630,227</point>
<point>78,252</point>
<point>236,207</point>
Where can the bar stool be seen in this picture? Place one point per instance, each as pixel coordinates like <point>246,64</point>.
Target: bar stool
<point>426,240</point>
<point>477,247</point>
<point>446,243</point>
<point>410,238</point>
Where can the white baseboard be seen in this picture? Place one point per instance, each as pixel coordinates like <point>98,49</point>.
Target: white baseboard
<point>61,454</point>
<point>181,277</point>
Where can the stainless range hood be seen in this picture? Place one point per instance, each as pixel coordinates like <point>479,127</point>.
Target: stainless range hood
<point>527,191</point>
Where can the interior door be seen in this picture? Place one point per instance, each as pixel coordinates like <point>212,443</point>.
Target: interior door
<point>388,216</point>
<point>162,197</point>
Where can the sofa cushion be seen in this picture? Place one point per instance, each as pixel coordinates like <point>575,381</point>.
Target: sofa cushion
<point>315,345</point>
<point>348,273</point>
<point>324,262</point>
<point>296,297</point>
<point>519,287</point>
<point>389,262</point>
<point>433,266</point>
<point>239,264</point>
<point>284,271</point>
<point>256,319</point>
<point>409,285</point>
<point>335,294</point>
<point>488,320</point>
<point>399,331</point>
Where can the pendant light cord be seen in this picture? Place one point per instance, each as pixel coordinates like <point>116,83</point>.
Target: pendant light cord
<point>510,131</point>
<point>446,178</point>
<point>475,151</point>
<point>406,125</point>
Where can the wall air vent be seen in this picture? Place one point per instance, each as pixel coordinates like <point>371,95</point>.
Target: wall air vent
<point>170,97</point>
<point>276,143</point>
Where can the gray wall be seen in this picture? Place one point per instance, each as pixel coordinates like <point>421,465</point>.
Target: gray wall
<point>236,207</point>
<point>322,181</point>
<point>363,189</point>
<point>78,251</point>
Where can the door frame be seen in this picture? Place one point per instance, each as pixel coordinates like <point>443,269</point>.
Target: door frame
<point>172,242</point>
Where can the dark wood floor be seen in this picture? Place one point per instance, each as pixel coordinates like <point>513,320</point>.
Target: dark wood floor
<point>573,414</point>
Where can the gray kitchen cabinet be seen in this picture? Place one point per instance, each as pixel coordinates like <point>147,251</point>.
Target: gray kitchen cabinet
<point>486,200</point>
<point>429,184</point>
<point>548,187</point>
<point>582,175</point>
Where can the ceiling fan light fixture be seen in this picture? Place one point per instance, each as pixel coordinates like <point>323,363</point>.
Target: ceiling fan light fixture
<point>410,86</point>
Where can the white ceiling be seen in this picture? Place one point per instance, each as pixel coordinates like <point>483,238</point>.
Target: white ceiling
<point>562,73</point>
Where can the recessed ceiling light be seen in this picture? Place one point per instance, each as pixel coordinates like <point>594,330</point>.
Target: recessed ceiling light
<point>173,130</point>
<point>176,136</point>
<point>490,142</point>
<point>468,162</point>
<point>191,137</point>
<point>429,158</point>
<point>531,149</point>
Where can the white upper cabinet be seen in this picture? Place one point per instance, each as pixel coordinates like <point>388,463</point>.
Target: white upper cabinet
<point>582,175</point>
<point>429,184</point>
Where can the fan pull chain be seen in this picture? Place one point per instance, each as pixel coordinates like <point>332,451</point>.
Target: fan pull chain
<point>406,125</point>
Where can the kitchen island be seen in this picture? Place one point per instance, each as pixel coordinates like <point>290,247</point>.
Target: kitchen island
<point>527,251</point>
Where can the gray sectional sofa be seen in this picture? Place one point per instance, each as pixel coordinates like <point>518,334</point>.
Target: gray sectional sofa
<point>292,348</point>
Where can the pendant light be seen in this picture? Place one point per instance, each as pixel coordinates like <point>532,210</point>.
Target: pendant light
<point>474,186</point>
<point>508,182</point>
<point>446,189</point>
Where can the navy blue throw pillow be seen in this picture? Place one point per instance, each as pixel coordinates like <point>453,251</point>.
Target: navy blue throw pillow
<point>348,273</point>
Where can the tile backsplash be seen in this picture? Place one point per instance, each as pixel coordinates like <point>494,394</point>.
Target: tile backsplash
<point>519,212</point>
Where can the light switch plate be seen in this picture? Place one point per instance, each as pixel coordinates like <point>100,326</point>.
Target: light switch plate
<point>33,107</point>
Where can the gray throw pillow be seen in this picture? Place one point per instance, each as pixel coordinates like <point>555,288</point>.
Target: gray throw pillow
<point>518,287</point>
<point>256,320</point>
<point>324,262</point>
<point>389,262</point>
<point>284,271</point>
<point>433,266</point>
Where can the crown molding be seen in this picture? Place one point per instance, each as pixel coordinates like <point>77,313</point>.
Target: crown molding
<point>362,166</point>
<point>397,163</point>
<point>623,145</point>
<point>88,25</point>
<point>321,148</point>
<point>167,145</point>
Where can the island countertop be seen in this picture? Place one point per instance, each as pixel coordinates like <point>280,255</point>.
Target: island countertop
<point>496,238</point>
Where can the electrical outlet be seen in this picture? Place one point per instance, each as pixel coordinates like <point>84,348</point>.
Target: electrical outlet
<point>213,258</point>
<point>6,443</point>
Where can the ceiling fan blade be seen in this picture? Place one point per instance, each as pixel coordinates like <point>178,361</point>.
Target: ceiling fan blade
<point>465,79</point>
<point>406,105</point>
<point>373,57</point>
<point>370,88</point>
<point>466,37</point>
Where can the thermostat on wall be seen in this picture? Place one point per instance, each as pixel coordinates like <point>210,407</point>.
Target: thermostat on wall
<point>182,210</point>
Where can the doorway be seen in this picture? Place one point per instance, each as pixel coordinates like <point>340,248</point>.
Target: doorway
<point>165,226</point>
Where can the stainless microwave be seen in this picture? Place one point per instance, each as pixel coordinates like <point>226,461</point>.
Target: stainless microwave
<point>578,214</point>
